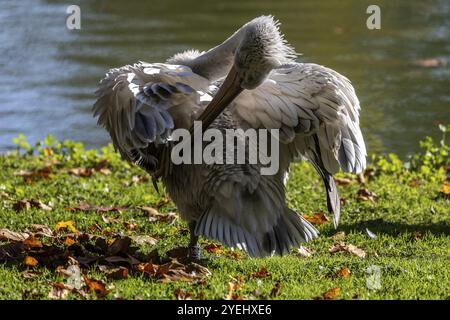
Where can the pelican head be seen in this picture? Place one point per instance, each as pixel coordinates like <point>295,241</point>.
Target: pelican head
<point>260,48</point>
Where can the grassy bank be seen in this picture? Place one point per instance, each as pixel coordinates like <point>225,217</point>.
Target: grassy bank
<point>88,225</point>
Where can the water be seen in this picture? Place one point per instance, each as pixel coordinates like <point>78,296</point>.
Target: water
<point>48,73</point>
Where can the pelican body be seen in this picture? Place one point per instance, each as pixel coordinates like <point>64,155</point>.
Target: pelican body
<point>250,81</point>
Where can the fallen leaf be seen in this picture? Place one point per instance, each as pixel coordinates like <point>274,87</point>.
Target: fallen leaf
<point>429,62</point>
<point>445,189</point>
<point>130,226</point>
<point>413,183</point>
<point>120,245</point>
<point>173,271</point>
<point>30,176</point>
<point>66,225</point>
<point>29,273</point>
<point>318,218</point>
<point>304,252</point>
<point>39,204</point>
<point>109,220</point>
<point>96,286</point>
<point>344,181</point>
<point>89,207</point>
<point>342,247</point>
<point>30,261</point>
<point>417,235</point>
<point>21,205</point>
<point>213,248</point>
<point>69,241</point>
<point>9,235</point>
<point>42,230</point>
<point>261,273</point>
<point>364,194</point>
<point>81,172</point>
<point>59,291</point>
<point>115,273</point>
<point>154,215</point>
<point>32,242</point>
<point>331,294</point>
<point>232,295</point>
<point>343,273</point>
<point>275,292</point>
<point>28,204</point>
<point>141,240</point>
<point>179,253</point>
<point>182,294</point>
<point>105,171</point>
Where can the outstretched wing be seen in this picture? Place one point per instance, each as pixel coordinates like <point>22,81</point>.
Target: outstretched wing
<point>139,105</point>
<point>317,112</point>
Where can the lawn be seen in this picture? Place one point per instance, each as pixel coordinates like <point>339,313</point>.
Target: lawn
<point>82,224</point>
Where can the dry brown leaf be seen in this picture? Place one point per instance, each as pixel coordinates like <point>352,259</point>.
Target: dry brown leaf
<point>9,235</point>
<point>344,181</point>
<point>413,183</point>
<point>417,235</point>
<point>318,218</point>
<point>42,230</point>
<point>342,247</point>
<point>96,286</point>
<point>115,273</point>
<point>21,205</point>
<point>130,226</point>
<point>67,226</point>
<point>275,292</point>
<point>68,241</point>
<point>181,294</point>
<point>261,273</point>
<point>331,294</point>
<point>155,215</point>
<point>343,273</point>
<point>59,291</point>
<point>141,240</point>
<point>81,172</point>
<point>30,261</point>
<point>445,189</point>
<point>173,271</point>
<point>232,295</point>
<point>89,207</point>
<point>213,248</point>
<point>30,176</point>
<point>365,195</point>
<point>32,242</point>
<point>28,204</point>
<point>304,252</point>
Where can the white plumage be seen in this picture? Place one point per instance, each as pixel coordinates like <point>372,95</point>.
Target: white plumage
<point>315,108</point>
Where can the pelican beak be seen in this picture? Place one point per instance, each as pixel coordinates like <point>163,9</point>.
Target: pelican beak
<point>229,90</point>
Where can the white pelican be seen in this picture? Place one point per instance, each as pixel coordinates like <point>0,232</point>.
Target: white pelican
<point>251,80</point>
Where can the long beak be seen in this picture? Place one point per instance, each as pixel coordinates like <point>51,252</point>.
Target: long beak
<point>230,88</point>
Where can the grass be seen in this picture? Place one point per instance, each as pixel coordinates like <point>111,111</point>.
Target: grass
<point>409,214</point>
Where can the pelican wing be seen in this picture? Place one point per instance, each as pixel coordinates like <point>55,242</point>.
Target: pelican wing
<point>140,104</point>
<point>317,112</point>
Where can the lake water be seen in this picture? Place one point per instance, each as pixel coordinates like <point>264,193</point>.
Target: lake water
<point>49,73</point>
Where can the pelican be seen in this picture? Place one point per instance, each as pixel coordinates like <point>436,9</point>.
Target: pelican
<point>251,80</point>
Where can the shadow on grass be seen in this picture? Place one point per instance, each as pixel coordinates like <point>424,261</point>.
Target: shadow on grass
<point>379,226</point>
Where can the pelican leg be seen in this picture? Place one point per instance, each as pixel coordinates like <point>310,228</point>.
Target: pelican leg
<point>194,247</point>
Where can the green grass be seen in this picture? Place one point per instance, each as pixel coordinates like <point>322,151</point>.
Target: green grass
<point>410,216</point>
